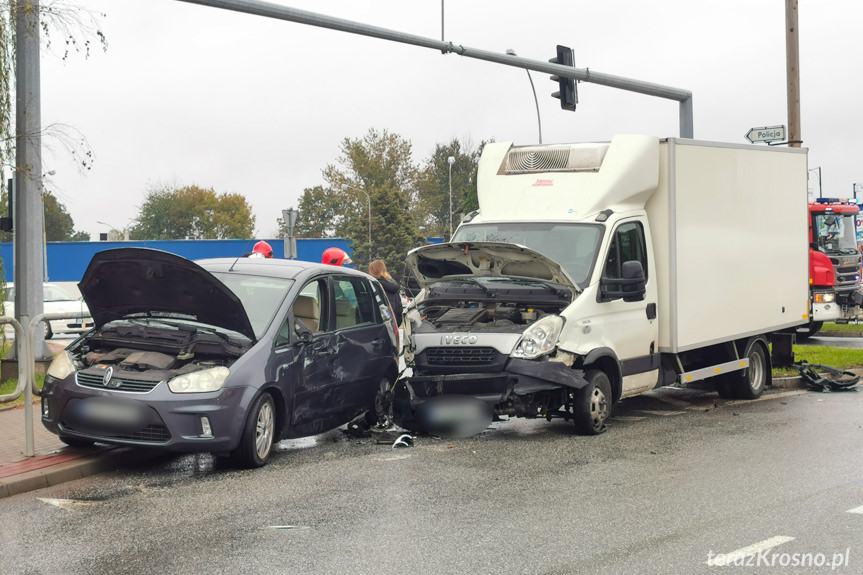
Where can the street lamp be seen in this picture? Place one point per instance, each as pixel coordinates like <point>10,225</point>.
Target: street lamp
<point>346,187</point>
<point>511,52</point>
<point>819,178</point>
<point>450,161</point>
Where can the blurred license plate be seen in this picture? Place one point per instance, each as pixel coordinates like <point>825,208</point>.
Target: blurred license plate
<point>98,411</point>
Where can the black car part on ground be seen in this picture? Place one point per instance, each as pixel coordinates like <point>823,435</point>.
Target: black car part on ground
<point>829,378</point>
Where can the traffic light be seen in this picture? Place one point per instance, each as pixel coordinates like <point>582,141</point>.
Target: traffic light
<point>568,93</point>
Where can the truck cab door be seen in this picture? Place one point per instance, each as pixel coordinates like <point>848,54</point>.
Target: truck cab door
<point>629,303</point>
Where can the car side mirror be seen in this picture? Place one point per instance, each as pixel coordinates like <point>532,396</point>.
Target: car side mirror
<point>302,330</point>
<point>631,287</point>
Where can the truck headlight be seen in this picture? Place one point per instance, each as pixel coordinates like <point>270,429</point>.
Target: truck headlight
<point>829,297</point>
<point>200,381</point>
<point>62,366</point>
<point>540,338</point>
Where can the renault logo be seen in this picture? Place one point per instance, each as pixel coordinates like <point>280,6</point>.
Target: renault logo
<point>106,379</point>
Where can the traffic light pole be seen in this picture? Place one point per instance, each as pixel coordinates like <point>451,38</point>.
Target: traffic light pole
<point>270,10</point>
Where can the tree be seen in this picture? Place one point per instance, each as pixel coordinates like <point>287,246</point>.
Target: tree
<point>433,187</point>
<point>376,170</point>
<point>59,226</point>
<point>171,214</point>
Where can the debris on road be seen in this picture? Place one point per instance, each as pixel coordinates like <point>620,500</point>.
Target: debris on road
<point>829,378</point>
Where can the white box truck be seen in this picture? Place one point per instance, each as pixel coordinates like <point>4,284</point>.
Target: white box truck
<point>595,272</point>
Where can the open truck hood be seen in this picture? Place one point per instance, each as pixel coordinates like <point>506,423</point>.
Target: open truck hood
<point>433,263</point>
<point>125,281</point>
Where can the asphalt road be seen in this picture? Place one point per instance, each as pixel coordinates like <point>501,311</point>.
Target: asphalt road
<point>680,477</point>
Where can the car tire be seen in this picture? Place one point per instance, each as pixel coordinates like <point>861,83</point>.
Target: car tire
<point>751,382</point>
<point>256,443</point>
<point>76,441</point>
<point>47,330</point>
<point>591,405</point>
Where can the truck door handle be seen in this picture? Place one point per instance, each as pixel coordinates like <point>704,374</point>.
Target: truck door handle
<point>651,311</point>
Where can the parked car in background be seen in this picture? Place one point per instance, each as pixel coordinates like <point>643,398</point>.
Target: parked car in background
<point>222,355</point>
<point>56,299</point>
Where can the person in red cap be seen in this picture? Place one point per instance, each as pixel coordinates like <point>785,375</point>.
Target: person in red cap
<point>335,257</point>
<point>261,250</point>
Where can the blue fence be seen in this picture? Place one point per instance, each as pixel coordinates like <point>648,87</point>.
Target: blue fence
<point>67,261</point>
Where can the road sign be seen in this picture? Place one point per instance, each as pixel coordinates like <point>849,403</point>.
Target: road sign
<point>766,134</point>
<point>289,216</point>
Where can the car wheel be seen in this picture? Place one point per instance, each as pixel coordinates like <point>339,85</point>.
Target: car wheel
<point>751,382</point>
<point>402,412</point>
<point>47,330</point>
<point>591,406</point>
<point>76,441</point>
<point>256,444</point>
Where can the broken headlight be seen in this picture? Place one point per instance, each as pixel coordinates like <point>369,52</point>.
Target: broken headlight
<point>200,381</point>
<point>540,338</point>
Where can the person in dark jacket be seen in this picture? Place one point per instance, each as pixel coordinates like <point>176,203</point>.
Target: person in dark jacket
<point>379,270</point>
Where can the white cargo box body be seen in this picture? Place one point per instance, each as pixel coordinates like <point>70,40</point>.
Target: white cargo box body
<point>729,228</point>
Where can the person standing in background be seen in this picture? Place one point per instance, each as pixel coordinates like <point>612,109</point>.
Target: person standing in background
<point>378,269</point>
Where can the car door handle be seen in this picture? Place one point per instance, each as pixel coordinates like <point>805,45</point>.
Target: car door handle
<point>319,345</point>
<point>651,311</point>
<point>377,342</point>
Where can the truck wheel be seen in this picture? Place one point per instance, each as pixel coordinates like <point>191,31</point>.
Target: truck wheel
<point>810,330</point>
<point>751,382</point>
<point>592,405</point>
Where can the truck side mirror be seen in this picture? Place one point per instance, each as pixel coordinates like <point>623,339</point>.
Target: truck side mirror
<point>631,287</point>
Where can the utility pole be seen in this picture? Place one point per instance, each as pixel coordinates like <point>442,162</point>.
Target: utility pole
<point>792,73</point>
<point>29,211</point>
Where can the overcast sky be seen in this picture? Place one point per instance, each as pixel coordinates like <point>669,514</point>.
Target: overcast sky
<point>188,94</point>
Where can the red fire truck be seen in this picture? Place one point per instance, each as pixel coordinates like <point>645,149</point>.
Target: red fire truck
<point>834,263</point>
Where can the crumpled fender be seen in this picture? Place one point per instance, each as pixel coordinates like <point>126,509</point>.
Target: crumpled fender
<point>539,375</point>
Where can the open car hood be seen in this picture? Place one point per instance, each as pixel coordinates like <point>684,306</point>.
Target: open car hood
<point>125,281</point>
<point>433,263</point>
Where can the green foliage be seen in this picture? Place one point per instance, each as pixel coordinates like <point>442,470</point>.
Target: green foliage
<point>841,357</point>
<point>59,226</point>
<point>433,186</point>
<point>172,214</point>
<point>321,214</point>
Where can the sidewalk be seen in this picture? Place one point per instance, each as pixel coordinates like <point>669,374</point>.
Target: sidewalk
<point>54,462</point>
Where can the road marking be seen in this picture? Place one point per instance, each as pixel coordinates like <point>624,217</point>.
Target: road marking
<point>766,397</point>
<point>627,418</point>
<point>658,412</point>
<point>720,560</point>
<point>65,503</point>
<point>679,403</point>
<point>856,510</point>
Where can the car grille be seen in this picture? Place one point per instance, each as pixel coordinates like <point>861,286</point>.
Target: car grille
<point>460,355</point>
<point>117,383</point>
<point>151,433</point>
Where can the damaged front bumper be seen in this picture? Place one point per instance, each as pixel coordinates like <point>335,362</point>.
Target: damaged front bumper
<point>522,388</point>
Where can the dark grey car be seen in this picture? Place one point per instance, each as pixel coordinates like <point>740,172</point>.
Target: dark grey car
<point>223,355</point>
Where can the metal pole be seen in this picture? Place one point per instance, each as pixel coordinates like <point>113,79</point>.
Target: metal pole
<point>511,52</point>
<point>450,161</point>
<point>792,72</point>
<point>28,174</point>
<point>269,10</point>
<point>369,198</point>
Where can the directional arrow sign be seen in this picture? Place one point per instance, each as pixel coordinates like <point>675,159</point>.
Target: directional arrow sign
<point>766,134</point>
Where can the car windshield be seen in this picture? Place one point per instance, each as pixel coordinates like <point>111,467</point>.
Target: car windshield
<point>573,246</point>
<point>261,296</point>
<point>54,293</point>
<point>835,233</point>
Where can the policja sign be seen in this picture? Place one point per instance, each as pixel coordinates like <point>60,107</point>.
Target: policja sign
<point>766,134</point>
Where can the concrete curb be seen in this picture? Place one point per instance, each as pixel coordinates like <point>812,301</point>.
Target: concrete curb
<point>108,459</point>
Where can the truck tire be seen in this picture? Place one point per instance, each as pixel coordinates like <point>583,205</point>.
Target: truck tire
<point>751,382</point>
<point>592,405</point>
<point>810,330</point>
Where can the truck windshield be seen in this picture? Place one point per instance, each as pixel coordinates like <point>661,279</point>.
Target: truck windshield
<point>572,246</point>
<point>835,233</point>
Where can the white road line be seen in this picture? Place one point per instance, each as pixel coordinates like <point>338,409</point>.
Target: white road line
<point>856,510</point>
<point>720,560</point>
<point>673,401</point>
<point>768,397</point>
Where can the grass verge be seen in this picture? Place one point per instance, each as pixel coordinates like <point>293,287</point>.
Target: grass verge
<point>840,357</point>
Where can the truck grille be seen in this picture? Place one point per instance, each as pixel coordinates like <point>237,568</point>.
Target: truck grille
<point>118,383</point>
<point>463,356</point>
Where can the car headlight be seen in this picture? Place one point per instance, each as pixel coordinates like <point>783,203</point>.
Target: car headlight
<point>200,381</point>
<point>540,338</point>
<point>828,297</point>
<point>62,366</point>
